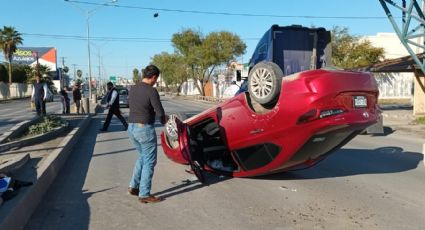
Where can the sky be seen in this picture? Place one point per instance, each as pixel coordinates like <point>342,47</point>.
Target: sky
<point>127,35</point>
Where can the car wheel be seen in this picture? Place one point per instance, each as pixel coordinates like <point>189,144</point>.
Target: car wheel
<point>264,82</point>
<point>171,130</point>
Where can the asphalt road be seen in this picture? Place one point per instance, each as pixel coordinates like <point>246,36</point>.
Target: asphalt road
<point>374,182</point>
<point>14,111</point>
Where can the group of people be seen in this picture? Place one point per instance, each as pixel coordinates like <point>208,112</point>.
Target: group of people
<point>40,92</point>
<point>145,105</point>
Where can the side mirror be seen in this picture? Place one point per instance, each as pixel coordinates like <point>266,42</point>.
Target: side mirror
<point>238,75</point>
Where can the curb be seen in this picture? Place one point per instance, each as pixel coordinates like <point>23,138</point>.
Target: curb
<point>32,140</point>
<point>17,129</point>
<point>19,214</point>
<point>14,163</point>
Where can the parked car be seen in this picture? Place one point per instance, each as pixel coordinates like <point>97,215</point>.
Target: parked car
<point>285,121</point>
<point>123,93</point>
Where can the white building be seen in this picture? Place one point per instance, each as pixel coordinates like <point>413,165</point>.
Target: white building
<point>393,85</point>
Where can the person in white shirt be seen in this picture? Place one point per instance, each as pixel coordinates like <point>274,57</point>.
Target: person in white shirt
<point>39,95</point>
<point>113,104</point>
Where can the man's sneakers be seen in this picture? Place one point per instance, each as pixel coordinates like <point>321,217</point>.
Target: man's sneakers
<point>150,199</point>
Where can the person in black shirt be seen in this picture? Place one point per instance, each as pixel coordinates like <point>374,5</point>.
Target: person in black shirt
<point>113,99</point>
<point>65,100</point>
<point>145,104</point>
<point>76,95</point>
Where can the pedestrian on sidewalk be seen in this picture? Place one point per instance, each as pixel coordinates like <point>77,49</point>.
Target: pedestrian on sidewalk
<point>39,95</point>
<point>145,104</point>
<point>76,94</point>
<point>65,100</point>
<point>113,99</point>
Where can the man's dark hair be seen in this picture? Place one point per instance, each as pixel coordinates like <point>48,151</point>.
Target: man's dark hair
<point>110,84</point>
<point>151,71</point>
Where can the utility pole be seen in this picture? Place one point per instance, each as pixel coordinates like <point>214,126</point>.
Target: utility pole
<point>62,73</point>
<point>75,73</point>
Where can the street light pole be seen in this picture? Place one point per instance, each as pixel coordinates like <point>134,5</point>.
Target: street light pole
<point>88,14</point>
<point>88,49</point>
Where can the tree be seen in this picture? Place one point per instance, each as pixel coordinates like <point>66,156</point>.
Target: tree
<point>136,77</point>
<point>202,54</point>
<point>173,69</point>
<point>46,75</point>
<point>3,73</point>
<point>9,39</point>
<point>351,52</point>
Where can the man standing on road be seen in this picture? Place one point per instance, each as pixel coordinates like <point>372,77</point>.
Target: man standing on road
<point>113,104</point>
<point>39,95</point>
<point>76,94</point>
<point>144,106</point>
<point>65,100</point>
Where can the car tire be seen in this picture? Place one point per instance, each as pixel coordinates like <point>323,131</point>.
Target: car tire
<point>171,127</point>
<point>265,82</point>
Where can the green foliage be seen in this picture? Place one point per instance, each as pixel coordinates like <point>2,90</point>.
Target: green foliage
<point>173,69</point>
<point>351,52</point>
<point>47,124</point>
<point>136,77</point>
<point>3,73</point>
<point>45,73</point>
<point>9,39</point>
<point>202,54</point>
<point>20,73</point>
<point>420,120</point>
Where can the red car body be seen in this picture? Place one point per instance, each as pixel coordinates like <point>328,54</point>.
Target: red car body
<point>317,112</point>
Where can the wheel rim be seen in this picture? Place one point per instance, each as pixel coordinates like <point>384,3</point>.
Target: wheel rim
<point>261,83</point>
<point>171,126</point>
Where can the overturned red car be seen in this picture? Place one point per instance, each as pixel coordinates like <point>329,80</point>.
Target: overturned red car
<point>283,122</point>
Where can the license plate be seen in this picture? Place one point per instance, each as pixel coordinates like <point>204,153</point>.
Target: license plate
<point>360,101</point>
<point>121,102</point>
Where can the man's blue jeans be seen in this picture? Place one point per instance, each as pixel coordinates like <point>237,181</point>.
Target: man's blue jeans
<point>145,141</point>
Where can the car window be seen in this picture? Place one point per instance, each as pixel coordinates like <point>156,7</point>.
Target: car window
<point>262,49</point>
<point>123,92</point>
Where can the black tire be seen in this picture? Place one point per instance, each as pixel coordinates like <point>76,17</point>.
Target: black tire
<point>171,127</point>
<point>265,82</point>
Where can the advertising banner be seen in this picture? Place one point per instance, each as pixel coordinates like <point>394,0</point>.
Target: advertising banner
<point>29,55</point>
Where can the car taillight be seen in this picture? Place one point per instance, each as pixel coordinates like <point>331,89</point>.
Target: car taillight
<point>330,112</point>
<point>315,114</point>
<point>308,116</point>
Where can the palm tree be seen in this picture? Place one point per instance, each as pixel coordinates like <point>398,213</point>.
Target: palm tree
<point>9,39</point>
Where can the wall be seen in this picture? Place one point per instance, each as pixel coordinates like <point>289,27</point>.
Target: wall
<point>392,85</point>
<point>15,90</point>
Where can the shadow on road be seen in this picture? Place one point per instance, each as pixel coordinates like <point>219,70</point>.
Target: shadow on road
<point>191,185</point>
<point>65,204</point>
<point>350,162</point>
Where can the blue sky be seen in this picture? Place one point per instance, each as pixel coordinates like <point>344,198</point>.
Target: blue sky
<point>43,22</point>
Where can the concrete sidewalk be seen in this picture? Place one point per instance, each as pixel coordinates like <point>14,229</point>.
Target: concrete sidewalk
<point>401,119</point>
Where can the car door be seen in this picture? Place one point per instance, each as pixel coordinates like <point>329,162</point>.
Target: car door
<point>183,133</point>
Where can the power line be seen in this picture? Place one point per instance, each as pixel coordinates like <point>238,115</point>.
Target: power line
<point>127,39</point>
<point>226,13</point>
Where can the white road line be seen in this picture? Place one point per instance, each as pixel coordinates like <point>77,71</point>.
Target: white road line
<point>10,114</point>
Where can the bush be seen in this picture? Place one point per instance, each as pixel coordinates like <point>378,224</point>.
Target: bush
<point>420,120</point>
<point>4,77</point>
<point>47,124</point>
